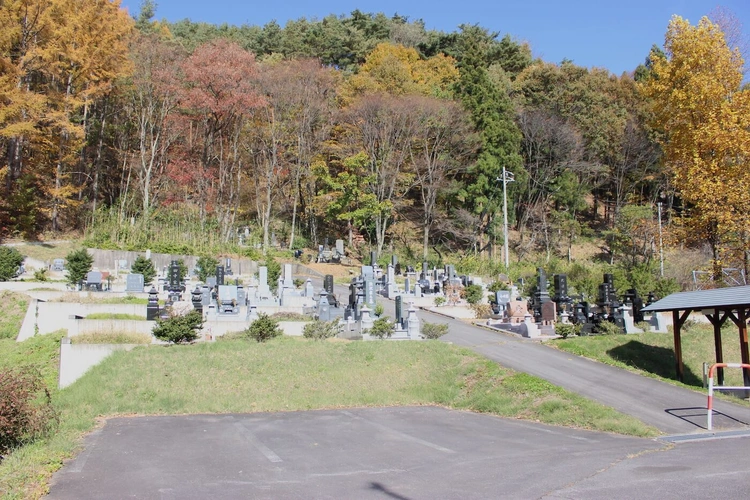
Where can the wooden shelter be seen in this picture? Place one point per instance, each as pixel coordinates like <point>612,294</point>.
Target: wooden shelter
<point>718,305</point>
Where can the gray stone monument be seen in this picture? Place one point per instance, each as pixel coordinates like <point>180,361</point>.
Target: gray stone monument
<point>370,292</point>
<point>288,278</point>
<point>309,289</point>
<point>264,291</point>
<point>134,283</point>
<point>340,247</point>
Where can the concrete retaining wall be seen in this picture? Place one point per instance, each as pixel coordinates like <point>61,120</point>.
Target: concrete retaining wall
<point>213,329</point>
<point>77,359</point>
<point>104,326</point>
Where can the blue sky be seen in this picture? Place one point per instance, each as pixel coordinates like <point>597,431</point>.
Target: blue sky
<point>612,34</point>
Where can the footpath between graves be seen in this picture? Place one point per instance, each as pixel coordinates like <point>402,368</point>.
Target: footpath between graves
<point>669,408</point>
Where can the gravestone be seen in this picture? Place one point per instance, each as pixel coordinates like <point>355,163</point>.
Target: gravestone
<point>228,267</point>
<point>370,292</point>
<point>123,264</point>
<point>196,297</point>
<point>324,308</point>
<point>134,283</point>
<point>241,296</point>
<point>174,275</point>
<point>288,278</point>
<point>220,275</point>
<point>373,259</point>
<point>407,286</point>
<point>211,281</point>
<point>400,311</point>
<point>227,300</point>
<point>264,291</point>
<point>549,312</point>
<point>340,247</point>
<point>417,290</point>
<point>58,265</point>
<point>152,308</point>
<point>205,296</point>
<point>94,280</point>
<point>390,282</point>
<point>328,284</point>
<point>309,289</point>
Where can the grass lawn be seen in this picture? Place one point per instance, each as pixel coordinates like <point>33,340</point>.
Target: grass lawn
<point>14,310</point>
<point>293,374</point>
<point>652,354</point>
<point>46,252</point>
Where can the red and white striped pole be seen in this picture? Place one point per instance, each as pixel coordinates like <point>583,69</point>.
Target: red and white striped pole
<point>710,404</point>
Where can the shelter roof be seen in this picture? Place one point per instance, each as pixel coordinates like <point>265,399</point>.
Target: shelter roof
<point>721,298</point>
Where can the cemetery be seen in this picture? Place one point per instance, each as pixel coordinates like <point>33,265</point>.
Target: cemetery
<point>229,300</point>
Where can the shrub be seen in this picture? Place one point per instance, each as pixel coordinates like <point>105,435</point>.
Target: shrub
<point>566,330</point>
<point>434,331</point>
<point>10,260</point>
<point>26,411</point>
<point>482,310</point>
<point>439,301</point>
<point>78,265</point>
<point>290,316</point>
<point>608,328</point>
<point>144,266</point>
<point>382,328</point>
<point>378,311</point>
<point>40,274</point>
<point>321,330</point>
<point>179,329</point>
<point>263,328</point>
<point>473,294</point>
<point>497,285</point>
<point>205,267</point>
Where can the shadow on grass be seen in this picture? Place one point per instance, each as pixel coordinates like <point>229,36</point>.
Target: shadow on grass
<point>657,360</point>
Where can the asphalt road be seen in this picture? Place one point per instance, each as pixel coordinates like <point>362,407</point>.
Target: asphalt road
<point>671,409</point>
<point>397,453</point>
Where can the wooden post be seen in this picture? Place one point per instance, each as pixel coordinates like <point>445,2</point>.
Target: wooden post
<point>717,324</point>
<point>742,324</point>
<point>677,324</point>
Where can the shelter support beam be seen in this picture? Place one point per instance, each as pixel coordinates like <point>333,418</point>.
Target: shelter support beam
<point>678,321</point>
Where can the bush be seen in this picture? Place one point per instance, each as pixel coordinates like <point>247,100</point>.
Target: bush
<point>179,329</point>
<point>40,274</point>
<point>144,266</point>
<point>78,265</point>
<point>482,310</point>
<point>439,301</point>
<point>432,331</point>
<point>26,411</point>
<point>205,267</point>
<point>321,330</point>
<point>10,260</point>
<point>378,311</point>
<point>473,294</point>
<point>290,316</point>
<point>608,328</point>
<point>382,328</point>
<point>566,330</point>
<point>263,328</point>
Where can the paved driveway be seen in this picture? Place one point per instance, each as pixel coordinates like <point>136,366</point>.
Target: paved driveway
<point>397,453</point>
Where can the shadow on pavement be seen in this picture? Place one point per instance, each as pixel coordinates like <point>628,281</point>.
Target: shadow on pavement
<point>698,415</point>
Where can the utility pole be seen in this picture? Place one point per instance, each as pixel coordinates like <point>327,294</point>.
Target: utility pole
<point>661,245</point>
<point>507,177</point>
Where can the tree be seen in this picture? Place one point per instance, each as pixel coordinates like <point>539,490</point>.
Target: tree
<point>79,263</point>
<point>491,111</point>
<point>10,260</point>
<point>703,116</point>
<point>144,266</point>
<point>206,266</point>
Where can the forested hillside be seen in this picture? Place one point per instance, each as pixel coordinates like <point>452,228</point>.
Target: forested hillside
<point>368,128</point>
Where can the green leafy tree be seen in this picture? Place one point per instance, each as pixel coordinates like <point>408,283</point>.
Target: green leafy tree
<point>274,272</point>
<point>206,266</point>
<point>263,328</point>
<point>144,266</point>
<point>10,260</point>
<point>78,265</point>
<point>180,329</point>
<point>492,113</point>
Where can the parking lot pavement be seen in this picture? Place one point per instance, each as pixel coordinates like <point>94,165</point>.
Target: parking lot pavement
<point>402,453</point>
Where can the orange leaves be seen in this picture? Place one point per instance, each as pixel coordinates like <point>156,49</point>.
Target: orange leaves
<point>703,112</point>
